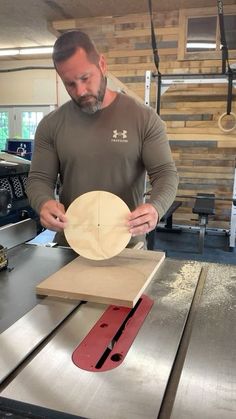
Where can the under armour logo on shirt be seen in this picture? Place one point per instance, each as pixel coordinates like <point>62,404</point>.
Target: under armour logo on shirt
<point>119,136</point>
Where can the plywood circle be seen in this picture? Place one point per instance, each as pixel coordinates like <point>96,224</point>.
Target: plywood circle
<point>96,227</point>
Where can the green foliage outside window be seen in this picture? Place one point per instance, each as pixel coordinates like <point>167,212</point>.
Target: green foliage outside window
<point>4,131</point>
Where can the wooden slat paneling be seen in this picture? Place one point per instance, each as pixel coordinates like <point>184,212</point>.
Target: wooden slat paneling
<point>190,111</point>
<point>204,169</point>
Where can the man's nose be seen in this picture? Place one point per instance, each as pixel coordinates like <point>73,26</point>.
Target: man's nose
<point>80,89</point>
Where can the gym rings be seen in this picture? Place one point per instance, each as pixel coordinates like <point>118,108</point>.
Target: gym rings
<point>222,117</point>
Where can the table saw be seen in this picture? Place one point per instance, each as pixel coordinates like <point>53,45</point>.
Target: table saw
<point>180,365</point>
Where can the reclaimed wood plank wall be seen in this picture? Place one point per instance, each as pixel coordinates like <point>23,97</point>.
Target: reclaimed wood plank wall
<point>190,111</point>
<point>204,167</point>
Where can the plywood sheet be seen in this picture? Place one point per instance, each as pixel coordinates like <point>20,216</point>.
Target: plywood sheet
<point>96,227</point>
<point>120,280</point>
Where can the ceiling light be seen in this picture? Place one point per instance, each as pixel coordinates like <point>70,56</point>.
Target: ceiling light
<point>40,50</point>
<point>26,51</point>
<point>201,45</point>
<point>7,52</point>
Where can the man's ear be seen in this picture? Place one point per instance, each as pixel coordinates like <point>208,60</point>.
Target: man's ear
<point>102,64</point>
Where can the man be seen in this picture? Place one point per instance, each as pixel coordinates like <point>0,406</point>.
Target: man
<point>99,140</point>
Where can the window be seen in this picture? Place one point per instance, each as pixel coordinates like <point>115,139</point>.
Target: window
<point>20,122</point>
<point>4,129</point>
<point>199,36</point>
<point>230,31</point>
<point>29,124</point>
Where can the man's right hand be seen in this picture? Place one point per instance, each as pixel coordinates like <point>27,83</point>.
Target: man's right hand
<point>52,215</point>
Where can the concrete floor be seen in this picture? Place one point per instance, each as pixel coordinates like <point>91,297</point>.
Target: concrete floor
<point>185,245</point>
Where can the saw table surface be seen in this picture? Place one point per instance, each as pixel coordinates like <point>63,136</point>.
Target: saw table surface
<point>180,365</point>
<point>27,264</point>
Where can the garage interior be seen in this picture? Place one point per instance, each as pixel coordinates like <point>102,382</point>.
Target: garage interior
<point>178,57</point>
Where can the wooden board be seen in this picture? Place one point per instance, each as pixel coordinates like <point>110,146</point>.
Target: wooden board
<point>120,280</point>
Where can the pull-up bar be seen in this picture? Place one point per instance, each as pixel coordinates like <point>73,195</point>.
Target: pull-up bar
<point>229,73</point>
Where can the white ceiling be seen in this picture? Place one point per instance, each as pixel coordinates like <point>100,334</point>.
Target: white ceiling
<point>24,23</point>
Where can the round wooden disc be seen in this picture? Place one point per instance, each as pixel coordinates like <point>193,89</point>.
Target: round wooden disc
<point>96,225</point>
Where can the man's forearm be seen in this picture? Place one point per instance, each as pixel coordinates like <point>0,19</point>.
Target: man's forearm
<point>38,192</point>
<point>164,189</point>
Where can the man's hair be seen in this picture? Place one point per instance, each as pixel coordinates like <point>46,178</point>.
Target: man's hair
<point>68,43</point>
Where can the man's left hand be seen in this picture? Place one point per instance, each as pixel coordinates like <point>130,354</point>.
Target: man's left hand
<point>143,219</point>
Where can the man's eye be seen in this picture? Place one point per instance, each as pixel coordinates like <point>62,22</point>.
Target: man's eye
<point>69,84</point>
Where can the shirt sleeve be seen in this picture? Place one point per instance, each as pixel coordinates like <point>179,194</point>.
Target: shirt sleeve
<point>159,164</point>
<point>44,167</point>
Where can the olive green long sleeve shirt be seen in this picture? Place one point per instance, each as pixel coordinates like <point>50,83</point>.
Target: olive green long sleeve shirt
<point>110,150</point>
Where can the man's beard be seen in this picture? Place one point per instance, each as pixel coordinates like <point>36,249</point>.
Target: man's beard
<point>89,103</point>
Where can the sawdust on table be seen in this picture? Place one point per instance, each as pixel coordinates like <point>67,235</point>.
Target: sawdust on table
<point>183,286</point>
<point>219,288</point>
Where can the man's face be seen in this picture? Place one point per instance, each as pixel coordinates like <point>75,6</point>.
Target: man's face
<point>84,81</point>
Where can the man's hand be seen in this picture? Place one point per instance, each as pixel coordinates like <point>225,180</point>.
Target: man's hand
<point>52,215</point>
<point>142,220</point>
